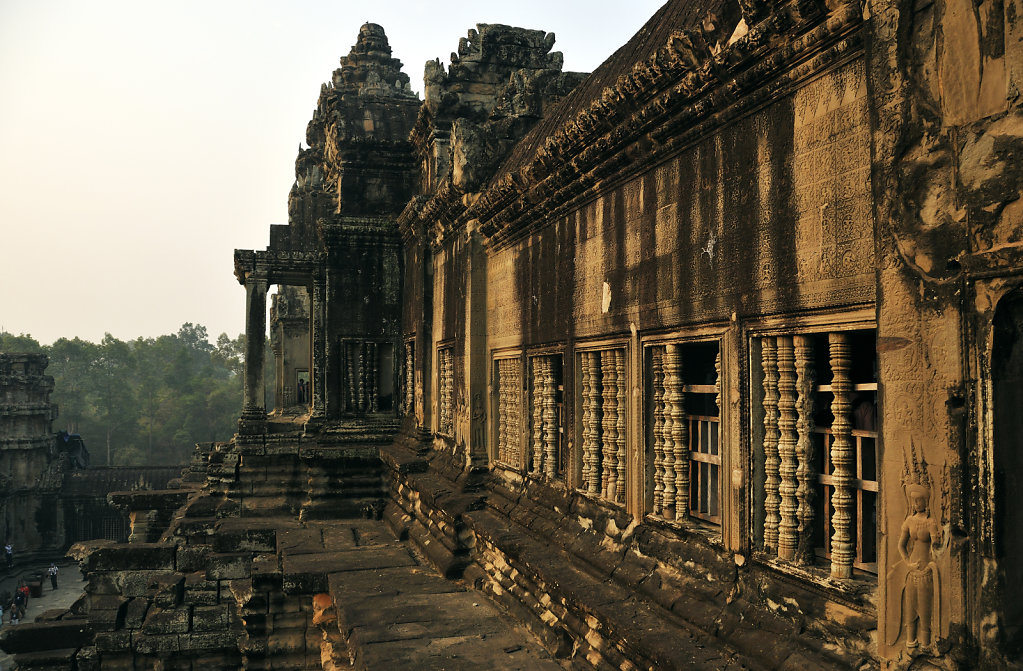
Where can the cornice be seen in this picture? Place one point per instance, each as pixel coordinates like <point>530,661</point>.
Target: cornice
<point>679,95</point>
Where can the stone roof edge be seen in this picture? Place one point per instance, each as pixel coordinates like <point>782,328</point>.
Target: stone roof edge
<point>682,84</point>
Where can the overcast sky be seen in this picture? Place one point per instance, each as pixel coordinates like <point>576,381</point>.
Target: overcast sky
<point>142,142</point>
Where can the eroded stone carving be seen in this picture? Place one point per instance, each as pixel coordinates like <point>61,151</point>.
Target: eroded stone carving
<point>916,578</point>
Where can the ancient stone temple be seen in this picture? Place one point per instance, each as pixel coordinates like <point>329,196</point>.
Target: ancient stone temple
<point>31,511</point>
<point>709,359</point>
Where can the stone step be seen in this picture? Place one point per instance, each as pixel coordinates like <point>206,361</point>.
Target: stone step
<point>393,612</point>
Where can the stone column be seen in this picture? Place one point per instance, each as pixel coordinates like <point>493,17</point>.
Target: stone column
<point>253,409</point>
<point>322,354</point>
<point>476,383</point>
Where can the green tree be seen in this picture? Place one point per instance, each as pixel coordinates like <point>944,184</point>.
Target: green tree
<point>71,365</point>
<point>19,344</point>
<point>112,393</point>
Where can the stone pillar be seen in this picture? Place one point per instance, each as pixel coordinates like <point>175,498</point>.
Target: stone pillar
<point>253,410</point>
<point>476,353</point>
<point>323,356</point>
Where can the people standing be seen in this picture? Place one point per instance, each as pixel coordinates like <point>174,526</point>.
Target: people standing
<point>52,572</point>
<point>9,554</point>
<point>18,606</point>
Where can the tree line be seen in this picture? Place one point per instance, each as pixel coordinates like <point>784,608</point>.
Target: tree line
<point>145,401</point>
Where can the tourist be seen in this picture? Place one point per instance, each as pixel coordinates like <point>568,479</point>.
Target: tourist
<point>9,554</point>
<point>18,605</point>
<point>52,572</point>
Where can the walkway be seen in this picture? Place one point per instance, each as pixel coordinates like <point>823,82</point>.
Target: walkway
<point>69,587</point>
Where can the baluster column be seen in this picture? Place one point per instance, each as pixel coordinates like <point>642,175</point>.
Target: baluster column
<point>787,440</point>
<point>772,478</point>
<point>619,358</point>
<point>657,370</point>
<point>805,387</point>
<point>843,546</point>
<point>538,427</point>
<point>550,414</point>
<point>671,399</point>
<point>609,438</point>
<point>680,440</point>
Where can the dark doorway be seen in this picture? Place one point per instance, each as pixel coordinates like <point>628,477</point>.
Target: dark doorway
<point>1007,382</point>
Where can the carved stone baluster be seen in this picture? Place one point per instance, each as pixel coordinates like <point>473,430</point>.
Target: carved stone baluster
<point>787,439</point>
<point>609,442</point>
<point>587,418</point>
<point>619,357</point>
<point>843,545</point>
<point>538,423</point>
<point>717,381</point>
<point>772,478</point>
<point>410,362</point>
<point>446,390</point>
<point>680,440</point>
<point>596,417</point>
<point>670,362</point>
<point>550,416</point>
<point>515,413</point>
<point>360,390</point>
<point>372,373</point>
<point>805,386</point>
<point>349,354</point>
<point>502,410</point>
<point>657,372</point>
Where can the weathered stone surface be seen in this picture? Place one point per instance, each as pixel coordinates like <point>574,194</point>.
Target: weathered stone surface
<point>708,359</point>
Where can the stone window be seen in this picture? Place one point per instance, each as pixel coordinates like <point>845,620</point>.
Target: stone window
<point>683,430</point>
<point>369,376</point>
<point>546,411</point>
<point>446,391</point>
<point>409,378</point>
<point>603,400</point>
<point>508,383</point>
<point>815,448</point>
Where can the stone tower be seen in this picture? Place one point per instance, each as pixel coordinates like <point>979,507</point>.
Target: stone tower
<point>31,516</point>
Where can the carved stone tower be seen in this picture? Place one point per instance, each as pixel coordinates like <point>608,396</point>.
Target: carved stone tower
<point>31,515</point>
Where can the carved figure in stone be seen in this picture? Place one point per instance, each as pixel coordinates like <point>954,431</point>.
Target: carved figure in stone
<point>921,543</point>
<point>479,423</point>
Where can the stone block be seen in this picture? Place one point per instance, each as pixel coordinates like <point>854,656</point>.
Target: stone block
<point>131,557</point>
<point>113,641</point>
<point>144,583</point>
<point>156,644</point>
<point>210,618</point>
<point>199,590</point>
<point>35,636</point>
<point>192,557</point>
<point>229,566</point>
<point>214,640</point>
<point>135,612</point>
<point>161,621</point>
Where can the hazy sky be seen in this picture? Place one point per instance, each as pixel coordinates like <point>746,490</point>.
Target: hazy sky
<point>142,142</point>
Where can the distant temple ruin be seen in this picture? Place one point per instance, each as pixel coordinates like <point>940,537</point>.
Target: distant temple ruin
<point>708,359</point>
